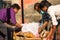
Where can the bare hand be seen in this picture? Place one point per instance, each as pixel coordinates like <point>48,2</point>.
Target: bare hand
<point>49,37</point>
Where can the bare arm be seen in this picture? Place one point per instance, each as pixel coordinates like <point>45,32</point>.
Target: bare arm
<point>52,30</point>
<point>44,26</point>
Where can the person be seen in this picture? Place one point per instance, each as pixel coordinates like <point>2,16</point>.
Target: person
<point>7,15</point>
<point>36,7</point>
<point>45,17</point>
<point>53,11</point>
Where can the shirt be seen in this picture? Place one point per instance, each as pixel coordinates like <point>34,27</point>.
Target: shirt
<point>45,17</point>
<point>3,16</point>
<point>54,12</point>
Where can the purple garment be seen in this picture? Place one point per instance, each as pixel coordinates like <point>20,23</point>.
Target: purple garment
<point>3,15</point>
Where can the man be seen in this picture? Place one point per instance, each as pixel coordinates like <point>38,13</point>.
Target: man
<point>53,11</point>
<point>7,15</point>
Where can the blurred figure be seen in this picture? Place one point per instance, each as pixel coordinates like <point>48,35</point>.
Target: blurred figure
<point>36,7</point>
<point>53,11</point>
<point>7,15</point>
<point>45,17</point>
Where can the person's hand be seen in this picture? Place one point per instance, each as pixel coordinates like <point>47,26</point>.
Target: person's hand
<point>49,37</point>
<point>18,25</point>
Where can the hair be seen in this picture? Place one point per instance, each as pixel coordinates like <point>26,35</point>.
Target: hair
<point>15,6</point>
<point>44,3</point>
<point>36,4</point>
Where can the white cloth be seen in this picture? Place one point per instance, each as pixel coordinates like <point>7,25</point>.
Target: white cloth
<point>53,12</point>
<point>31,27</point>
